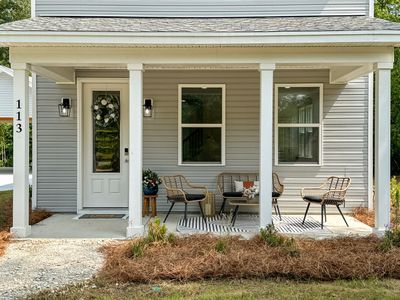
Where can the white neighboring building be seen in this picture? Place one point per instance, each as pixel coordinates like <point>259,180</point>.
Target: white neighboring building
<point>6,94</point>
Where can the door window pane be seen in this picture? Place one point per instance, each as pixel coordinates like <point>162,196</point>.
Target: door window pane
<point>201,145</point>
<point>298,145</point>
<point>298,105</point>
<point>106,132</point>
<point>201,105</point>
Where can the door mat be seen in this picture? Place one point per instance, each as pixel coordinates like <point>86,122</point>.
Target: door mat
<point>102,216</point>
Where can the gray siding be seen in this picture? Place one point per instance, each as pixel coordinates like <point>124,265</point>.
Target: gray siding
<point>6,96</point>
<point>197,8</point>
<point>344,135</point>
<point>56,148</point>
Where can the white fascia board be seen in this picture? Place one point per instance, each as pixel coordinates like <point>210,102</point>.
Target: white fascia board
<point>17,38</point>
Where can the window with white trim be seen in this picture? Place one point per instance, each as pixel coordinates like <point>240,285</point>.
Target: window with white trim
<point>298,118</point>
<point>201,124</point>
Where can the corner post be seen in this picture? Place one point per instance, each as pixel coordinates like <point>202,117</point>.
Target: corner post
<point>135,226</point>
<point>266,142</point>
<point>382,145</point>
<point>21,227</point>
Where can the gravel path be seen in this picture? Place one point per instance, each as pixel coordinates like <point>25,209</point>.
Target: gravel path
<point>31,265</point>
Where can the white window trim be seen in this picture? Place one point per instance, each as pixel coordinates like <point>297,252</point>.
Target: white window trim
<point>222,125</point>
<point>319,125</point>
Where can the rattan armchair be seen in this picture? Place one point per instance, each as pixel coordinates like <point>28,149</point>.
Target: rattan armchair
<point>179,189</point>
<point>331,192</point>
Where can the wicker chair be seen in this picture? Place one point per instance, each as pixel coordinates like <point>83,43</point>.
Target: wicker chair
<point>332,192</point>
<point>179,189</point>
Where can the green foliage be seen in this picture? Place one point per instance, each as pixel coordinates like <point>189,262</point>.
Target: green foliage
<point>272,238</point>
<point>222,245</point>
<point>150,179</point>
<point>390,10</point>
<point>12,10</point>
<point>157,233</point>
<point>391,238</point>
<point>6,145</point>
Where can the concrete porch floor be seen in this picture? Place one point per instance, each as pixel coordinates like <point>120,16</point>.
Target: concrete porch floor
<point>68,226</point>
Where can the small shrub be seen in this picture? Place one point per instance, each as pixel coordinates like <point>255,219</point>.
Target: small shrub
<point>272,238</point>
<point>391,238</point>
<point>158,232</point>
<point>138,248</point>
<point>222,245</point>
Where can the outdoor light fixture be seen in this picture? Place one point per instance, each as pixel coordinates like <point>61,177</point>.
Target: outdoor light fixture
<point>148,108</point>
<point>64,108</point>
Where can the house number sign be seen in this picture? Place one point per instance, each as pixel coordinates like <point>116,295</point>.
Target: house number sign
<point>18,123</point>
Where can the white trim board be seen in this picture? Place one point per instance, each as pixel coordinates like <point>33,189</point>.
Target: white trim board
<point>376,37</point>
<point>314,125</point>
<point>79,114</point>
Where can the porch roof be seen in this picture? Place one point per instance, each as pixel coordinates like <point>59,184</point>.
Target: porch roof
<point>253,31</point>
<point>253,24</point>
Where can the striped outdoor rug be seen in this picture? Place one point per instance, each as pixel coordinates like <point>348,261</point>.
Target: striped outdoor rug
<point>248,224</point>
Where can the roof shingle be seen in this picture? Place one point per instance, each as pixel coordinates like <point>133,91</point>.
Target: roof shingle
<point>217,25</point>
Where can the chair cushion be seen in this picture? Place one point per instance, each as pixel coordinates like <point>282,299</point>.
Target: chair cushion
<point>232,194</point>
<point>314,198</point>
<point>276,194</point>
<point>193,197</point>
<point>189,197</point>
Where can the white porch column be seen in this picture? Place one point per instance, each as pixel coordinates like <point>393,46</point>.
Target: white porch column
<point>266,142</point>
<point>382,145</point>
<point>135,226</point>
<point>21,227</point>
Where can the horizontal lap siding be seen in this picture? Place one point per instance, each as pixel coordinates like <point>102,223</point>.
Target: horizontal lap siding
<point>197,8</point>
<point>344,135</point>
<point>56,148</point>
<point>344,131</point>
<point>6,96</point>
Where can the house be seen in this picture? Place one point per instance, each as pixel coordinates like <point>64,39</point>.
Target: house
<point>6,95</point>
<point>251,85</point>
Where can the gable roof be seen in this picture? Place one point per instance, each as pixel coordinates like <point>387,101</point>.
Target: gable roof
<point>253,24</point>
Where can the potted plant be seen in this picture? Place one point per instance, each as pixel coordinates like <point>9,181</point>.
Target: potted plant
<point>150,182</point>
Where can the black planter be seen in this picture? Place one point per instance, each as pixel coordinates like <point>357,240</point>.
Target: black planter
<point>150,191</point>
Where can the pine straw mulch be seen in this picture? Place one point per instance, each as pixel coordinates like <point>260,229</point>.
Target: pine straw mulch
<point>195,258</point>
<point>364,215</point>
<point>4,239</point>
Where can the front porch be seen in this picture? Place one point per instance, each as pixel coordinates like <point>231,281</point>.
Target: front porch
<point>69,226</point>
<point>250,77</point>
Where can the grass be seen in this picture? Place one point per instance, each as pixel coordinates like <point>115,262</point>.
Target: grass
<point>230,289</point>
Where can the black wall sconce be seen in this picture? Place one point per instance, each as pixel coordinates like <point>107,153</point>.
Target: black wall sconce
<point>148,108</point>
<point>64,108</point>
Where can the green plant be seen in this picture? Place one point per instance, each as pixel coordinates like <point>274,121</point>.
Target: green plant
<point>222,245</point>
<point>150,179</point>
<point>392,234</point>
<point>138,248</point>
<point>272,238</point>
<point>158,232</point>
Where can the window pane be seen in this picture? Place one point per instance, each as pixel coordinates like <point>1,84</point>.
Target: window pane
<point>298,145</point>
<point>201,145</point>
<point>201,106</point>
<point>298,105</point>
<point>106,133</point>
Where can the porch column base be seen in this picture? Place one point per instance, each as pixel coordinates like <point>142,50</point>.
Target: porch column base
<point>134,231</point>
<point>21,232</point>
<point>379,231</point>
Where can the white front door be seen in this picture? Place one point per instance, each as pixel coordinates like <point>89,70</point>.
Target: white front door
<point>105,145</point>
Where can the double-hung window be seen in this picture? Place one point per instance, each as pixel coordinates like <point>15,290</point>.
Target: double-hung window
<point>201,124</point>
<point>298,130</point>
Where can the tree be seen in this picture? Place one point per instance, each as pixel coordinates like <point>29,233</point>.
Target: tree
<point>12,10</point>
<point>390,10</point>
